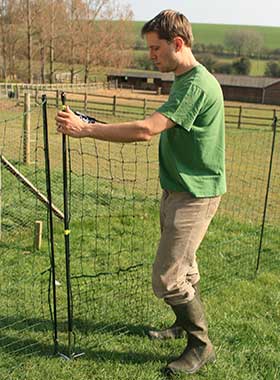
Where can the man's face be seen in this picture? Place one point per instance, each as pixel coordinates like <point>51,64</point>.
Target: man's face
<point>162,53</point>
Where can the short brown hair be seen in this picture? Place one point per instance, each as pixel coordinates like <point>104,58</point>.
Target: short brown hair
<point>170,24</point>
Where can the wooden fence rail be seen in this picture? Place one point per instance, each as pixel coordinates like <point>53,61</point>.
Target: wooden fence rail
<point>86,100</point>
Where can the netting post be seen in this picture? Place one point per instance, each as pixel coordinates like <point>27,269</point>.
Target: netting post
<point>274,117</point>
<point>50,220</point>
<point>0,200</point>
<point>239,117</point>
<point>26,129</point>
<point>114,105</point>
<point>71,354</point>
<point>274,126</point>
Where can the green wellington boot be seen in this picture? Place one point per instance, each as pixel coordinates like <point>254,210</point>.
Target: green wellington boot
<point>173,332</point>
<point>199,350</point>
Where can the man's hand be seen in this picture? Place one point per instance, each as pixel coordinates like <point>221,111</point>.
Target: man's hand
<point>70,124</point>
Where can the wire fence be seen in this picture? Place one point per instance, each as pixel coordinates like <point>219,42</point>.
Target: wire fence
<point>113,218</point>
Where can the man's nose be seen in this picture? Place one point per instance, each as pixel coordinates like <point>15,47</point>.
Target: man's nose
<point>152,55</point>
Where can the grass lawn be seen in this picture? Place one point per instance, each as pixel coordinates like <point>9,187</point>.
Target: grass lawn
<point>114,199</point>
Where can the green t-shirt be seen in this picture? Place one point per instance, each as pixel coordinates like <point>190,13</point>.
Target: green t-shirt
<point>192,154</point>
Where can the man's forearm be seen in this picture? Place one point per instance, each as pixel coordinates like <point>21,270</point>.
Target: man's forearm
<point>140,130</point>
<point>123,132</point>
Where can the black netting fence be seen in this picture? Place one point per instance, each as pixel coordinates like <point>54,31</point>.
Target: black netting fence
<point>25,321</point>
<point>104,286</point>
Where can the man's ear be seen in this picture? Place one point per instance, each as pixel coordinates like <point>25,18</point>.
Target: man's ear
<point>178,42</point>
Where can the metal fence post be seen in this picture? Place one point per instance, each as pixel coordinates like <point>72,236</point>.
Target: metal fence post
<point>274,117</point>
<point>26,129</point>
<point>0,200</point>
<point>239,117</point>
<point>274,126</point>
<point>50,219</point>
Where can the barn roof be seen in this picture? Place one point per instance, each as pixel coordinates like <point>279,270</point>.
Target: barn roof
<point>245,81</point>
<point>224,79</point>
<point>143,74</point>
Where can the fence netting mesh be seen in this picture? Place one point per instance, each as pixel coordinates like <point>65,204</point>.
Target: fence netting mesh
<point>114,197</point>
<point>25,320</point>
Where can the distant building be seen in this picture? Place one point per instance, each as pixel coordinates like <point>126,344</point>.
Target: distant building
<point>240,88</point>
<point>250,89</point>
<point>142,80</point>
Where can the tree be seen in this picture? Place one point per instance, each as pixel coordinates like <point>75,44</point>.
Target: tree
<point>242,66</point>
<point>29,41</point>
<point>4,47</point>
<point>244,42</point>
<point>144,62</point>
<point>209,61</point>
<point>107,35</point>
<point>9,36</point>
<point>273,69</point>
<point>75,9</point>
<point>93,32</point>
<point>224,68</point>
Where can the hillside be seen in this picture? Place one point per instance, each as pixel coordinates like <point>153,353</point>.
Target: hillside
<point>215,33</point>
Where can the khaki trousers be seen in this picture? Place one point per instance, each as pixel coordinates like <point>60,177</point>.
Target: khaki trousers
<point>184,221</point>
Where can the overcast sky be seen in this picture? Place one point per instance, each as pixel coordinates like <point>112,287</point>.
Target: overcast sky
<point>244,12</point>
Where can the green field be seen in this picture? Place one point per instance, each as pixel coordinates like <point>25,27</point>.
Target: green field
<point>215,33</point>
<point>114,198</point>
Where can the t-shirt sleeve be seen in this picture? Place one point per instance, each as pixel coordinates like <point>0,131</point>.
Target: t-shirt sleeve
<point>183,107</point>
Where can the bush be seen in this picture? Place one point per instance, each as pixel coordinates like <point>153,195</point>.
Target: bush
<point>209,61</point>
<point>272,69</point>
<point>224,68</point>
<point>242,66</point>
<point>143,62</point>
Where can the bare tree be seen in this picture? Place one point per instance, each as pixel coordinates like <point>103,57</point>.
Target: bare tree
<point>29,41</point>
<point>9,36</point>
<point>84,32</point>
<point>47,31</point>
<point>76,11</point>
<point>105,34</point>
<point>3,20</point>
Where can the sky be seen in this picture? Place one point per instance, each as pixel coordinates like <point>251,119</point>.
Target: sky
<point>237,12</point>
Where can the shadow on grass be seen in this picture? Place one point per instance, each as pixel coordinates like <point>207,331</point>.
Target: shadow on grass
<point>21,337</point>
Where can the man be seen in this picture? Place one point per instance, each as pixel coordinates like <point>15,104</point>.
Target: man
<point>192,175</point>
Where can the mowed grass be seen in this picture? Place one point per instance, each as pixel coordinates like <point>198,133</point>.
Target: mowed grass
<point>114,232</point>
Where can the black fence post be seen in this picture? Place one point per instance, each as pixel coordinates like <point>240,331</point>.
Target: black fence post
<point>65,166</point>
<point>274,126</point>
<point>50,212</point>
<point>239,118</point>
